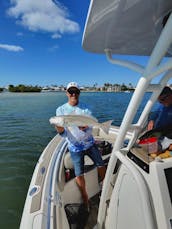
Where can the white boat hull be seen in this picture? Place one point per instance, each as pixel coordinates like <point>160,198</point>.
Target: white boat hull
<point>49,193</point>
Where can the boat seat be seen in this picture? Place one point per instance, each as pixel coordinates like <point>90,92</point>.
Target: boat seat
<point>68,161</point>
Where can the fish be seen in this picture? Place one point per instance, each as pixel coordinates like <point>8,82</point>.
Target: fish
<point>158,132</point>
<point>80,121</point>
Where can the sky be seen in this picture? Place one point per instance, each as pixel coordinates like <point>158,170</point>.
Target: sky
<point>41,44</point>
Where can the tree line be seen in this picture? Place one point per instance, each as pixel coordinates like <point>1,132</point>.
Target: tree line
<point>95,87</point>
<point>24,88</point>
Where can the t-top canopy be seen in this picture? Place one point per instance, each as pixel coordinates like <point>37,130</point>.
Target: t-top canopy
<point>129,27</point>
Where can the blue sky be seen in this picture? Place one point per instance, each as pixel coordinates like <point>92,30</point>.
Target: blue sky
<point>40,44</point>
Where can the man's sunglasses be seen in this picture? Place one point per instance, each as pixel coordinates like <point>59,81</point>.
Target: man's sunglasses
<point>72,91</point>
<point>162,99</point>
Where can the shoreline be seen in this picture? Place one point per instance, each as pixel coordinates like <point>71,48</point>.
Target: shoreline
<point>83,91</point>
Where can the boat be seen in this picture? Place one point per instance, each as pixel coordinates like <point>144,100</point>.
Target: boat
<point>137,189</point>
<point>52,89</point>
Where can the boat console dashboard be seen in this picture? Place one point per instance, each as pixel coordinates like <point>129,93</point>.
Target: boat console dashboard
<point>140,156</point>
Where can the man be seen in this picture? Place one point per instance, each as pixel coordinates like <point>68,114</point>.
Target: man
<point>80,139</point>
<point>162,118</point>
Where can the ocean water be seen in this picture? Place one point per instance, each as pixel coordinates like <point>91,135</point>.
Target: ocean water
<point>24,133</point>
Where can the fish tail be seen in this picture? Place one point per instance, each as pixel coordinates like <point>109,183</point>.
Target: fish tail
<point>105,126</point>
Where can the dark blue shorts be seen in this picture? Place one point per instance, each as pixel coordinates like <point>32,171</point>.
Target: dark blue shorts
<point>78,159</point>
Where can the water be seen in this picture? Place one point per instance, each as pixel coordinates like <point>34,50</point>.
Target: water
<point>25,132</point>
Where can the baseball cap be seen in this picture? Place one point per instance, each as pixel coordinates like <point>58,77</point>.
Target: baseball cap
<point>166,91</point>
<point>72,84</point>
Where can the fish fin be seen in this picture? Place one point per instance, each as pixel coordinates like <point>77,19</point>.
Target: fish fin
<point>105,126</point>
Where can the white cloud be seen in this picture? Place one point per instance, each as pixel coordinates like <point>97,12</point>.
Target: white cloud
<point>54,48</point>
<point>39,15</point>
<point>11,48</point>
<point>56,36</point>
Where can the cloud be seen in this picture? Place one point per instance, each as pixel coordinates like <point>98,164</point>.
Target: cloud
<point>11,48</point>
<point>46,16</point>
<point>54,48</point>
<point>56,36</point>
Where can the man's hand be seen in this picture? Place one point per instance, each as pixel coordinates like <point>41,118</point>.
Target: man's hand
<point>170,147</point>
<point>59,129</point>
<point>150,125</point>
<point>83,128</point>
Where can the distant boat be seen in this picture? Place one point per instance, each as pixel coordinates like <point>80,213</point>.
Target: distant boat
<point>51,89</point>
<point>137,190</point>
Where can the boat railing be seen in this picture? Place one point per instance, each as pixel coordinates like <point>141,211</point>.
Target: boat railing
<point>53,174</point>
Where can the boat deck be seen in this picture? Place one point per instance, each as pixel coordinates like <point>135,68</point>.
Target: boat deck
<point>92,217</point>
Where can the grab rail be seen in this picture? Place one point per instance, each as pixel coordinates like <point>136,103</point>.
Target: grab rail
<point>124,63</point>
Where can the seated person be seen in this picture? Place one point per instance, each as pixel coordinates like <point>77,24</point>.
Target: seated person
<point>162,116</point>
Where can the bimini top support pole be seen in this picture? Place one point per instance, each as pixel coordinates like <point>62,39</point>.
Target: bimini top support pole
<point>133,66</point>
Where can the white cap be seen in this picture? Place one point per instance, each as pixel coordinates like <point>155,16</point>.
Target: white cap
<point>72,84</point>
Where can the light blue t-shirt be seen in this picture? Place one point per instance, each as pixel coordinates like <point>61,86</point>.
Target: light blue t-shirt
<point>78,140</point>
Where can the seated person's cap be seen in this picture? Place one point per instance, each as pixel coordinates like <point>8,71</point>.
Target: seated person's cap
<point>72,84</point>
<point>166,91</point>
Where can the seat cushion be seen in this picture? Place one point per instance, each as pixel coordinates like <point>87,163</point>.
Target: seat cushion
<point>68,161</point>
